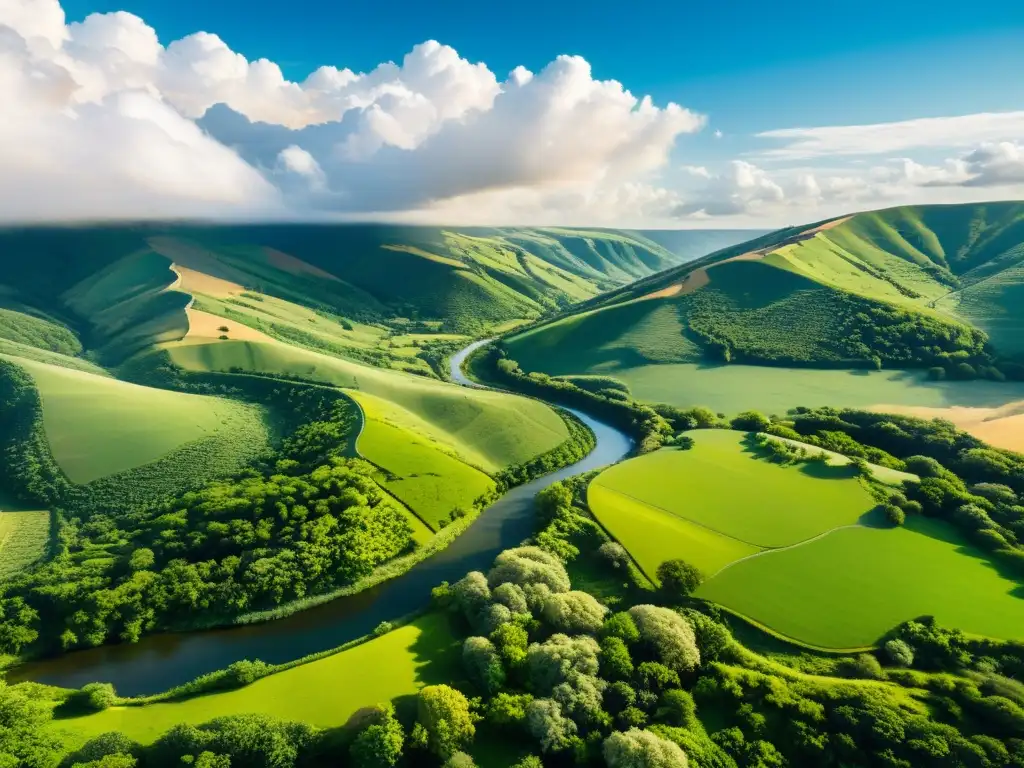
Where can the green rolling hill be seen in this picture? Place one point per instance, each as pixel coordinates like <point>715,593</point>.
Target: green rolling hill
<point>470,279</point>
<point>878,293</point>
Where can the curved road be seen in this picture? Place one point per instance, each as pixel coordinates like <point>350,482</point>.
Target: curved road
<point>159,662</point>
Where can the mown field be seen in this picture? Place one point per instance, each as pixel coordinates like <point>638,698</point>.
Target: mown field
<point>848,588</point>
<point>731,388</point>
<point>24,535</point>
<point>324,693</point>
<point>721,485</point>
<point>489,430</point>
<point>798,549</point>
<point>421,475</point>
<point>98,426</point>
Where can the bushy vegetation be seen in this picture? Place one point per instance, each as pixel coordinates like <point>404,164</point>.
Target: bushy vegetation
<point>304,520</point>
<point>978,489</point>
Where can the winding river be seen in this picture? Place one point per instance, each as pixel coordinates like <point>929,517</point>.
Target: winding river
<point>162,661</point>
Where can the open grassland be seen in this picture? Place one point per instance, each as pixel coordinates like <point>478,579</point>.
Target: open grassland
<point>721,485</point>
<point>324,693</point>
<point>489,430</point>
<point>731,388</point>
<point>100,426</point>
<point>848,588</point>
<point>653,535</point>
<point>794,548</point>
<point>24,535</point>
<point>422,476</point>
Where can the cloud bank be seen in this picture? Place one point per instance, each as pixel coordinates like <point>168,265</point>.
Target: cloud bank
<point>103,121</point>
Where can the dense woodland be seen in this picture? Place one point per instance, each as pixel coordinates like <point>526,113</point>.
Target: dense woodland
<point>303,519</point>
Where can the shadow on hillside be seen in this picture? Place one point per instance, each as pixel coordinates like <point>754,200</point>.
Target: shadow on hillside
<point>875,518</point>
<point>816,469</point>
<point>945,532</point>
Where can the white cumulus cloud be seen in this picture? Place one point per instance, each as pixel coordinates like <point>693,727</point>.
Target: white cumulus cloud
<point>103,120</point>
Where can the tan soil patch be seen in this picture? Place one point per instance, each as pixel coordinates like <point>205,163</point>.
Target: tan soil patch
<point>827,226</point>
<point>194,282</point>
<point>1002,427</point>
<point>203,325</point>
<point>198,268</point>
<point>294,266</point>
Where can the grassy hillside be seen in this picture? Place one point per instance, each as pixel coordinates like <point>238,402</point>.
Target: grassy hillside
<point>99,426</point>
<point>469,279</point>
<point>489,430</point>
<point>799,549</point>
<point>932,287</point>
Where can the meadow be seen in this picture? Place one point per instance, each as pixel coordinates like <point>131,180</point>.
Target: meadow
<point>848,588</point>
<point>731,388</point>
<point>798,549</point>
<point>98,426</point>
<point>24,536</point>
<point>490,430</point>
<point>325,693</point>
<point>422,476</point>
<point>721,485</point>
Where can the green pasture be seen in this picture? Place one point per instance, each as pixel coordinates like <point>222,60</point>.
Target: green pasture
<point>722,485</point>
<point>99,426</point>
<point>653,536</point>
<point>422,476</point>
<point>847,589</point>
<point>24,535</point>
<point>325,693</point>
<point>486,429</point>
<point>733,388</point>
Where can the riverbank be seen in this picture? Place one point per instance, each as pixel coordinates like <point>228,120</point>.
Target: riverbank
<point>161,662</point>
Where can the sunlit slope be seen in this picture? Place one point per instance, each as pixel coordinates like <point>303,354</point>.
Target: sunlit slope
<point>813,296</point>
<point>800,549</point>
<point>487,429</point>
<point>469,278</point>
<point>98,426</point>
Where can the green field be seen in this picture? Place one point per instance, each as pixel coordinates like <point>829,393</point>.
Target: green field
<point>721,485</point>
<point>100,426</point>
<point>422,476</point>
<point>848,588</point>
<point>24,536</point>
<point>818,301</point>
<point>653,536</point>
<point>797,548</point>
<point>733,388</point>
<point>325,693</point>
<point>486,429</point>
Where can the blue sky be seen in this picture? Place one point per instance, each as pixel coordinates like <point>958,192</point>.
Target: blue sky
<point>744,67</point>
<point>751,65</point>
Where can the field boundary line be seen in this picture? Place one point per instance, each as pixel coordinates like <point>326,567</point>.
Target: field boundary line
<point>775,550</point>
<point>705,526</point>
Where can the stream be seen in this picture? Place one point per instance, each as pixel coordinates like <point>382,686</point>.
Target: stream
<point>161,661</point>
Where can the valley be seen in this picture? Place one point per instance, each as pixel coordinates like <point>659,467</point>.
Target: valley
<point>298,484</point>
